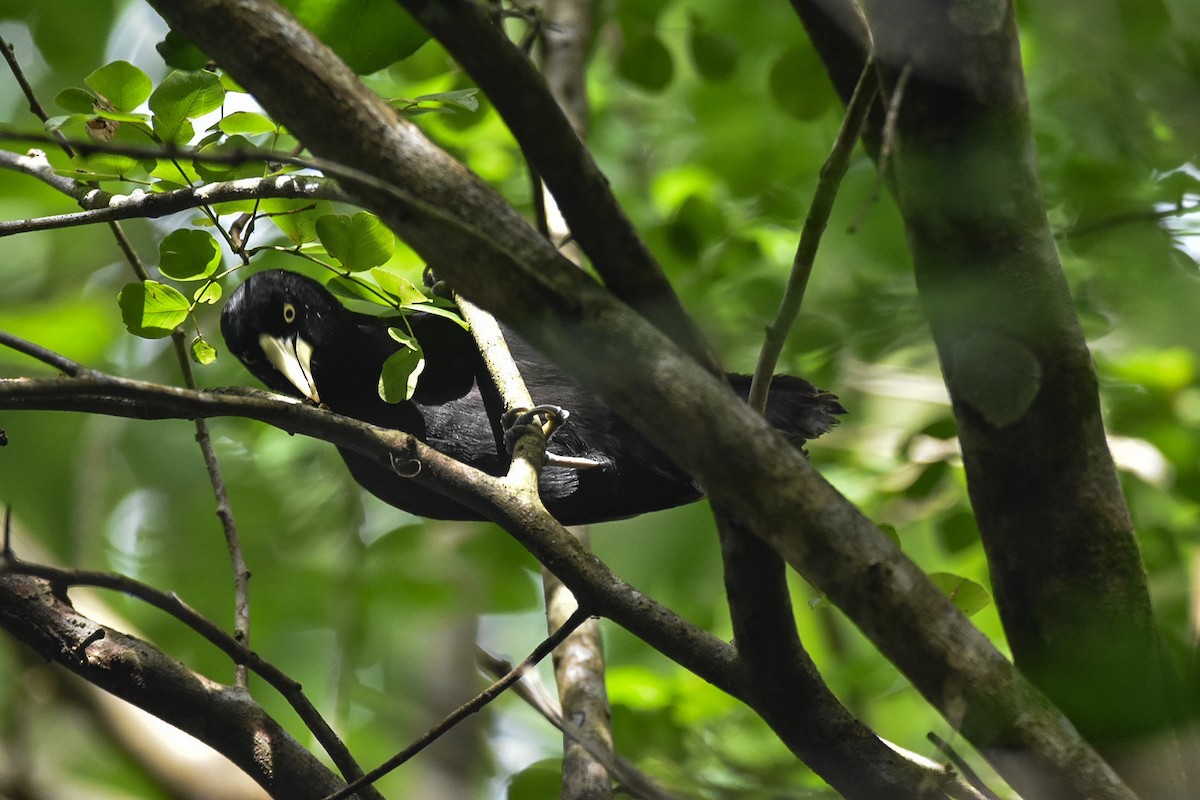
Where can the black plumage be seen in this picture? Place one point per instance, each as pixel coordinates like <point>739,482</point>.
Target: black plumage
<point>295,337</point>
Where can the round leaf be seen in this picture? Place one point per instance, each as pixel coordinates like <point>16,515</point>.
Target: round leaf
<point>359,242</point>
<point>179,53</point>
<point>295,217</point>
<point>184,95</point>
<point>235,168</point>
<point>398,286</point>
<point>188,255</point>
<point>123,85</point>
<point>203,352</point>
<point>247,122</point>
<point>967,595</point>
<point>151,309</point>
<point>208,293</point>
<point>398,379</point>
<point>75,99</point>
<point>367,34</point>
<point>799,85</point>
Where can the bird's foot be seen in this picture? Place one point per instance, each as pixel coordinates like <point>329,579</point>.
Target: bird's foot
<point>544,419</point>
<point>437,287</point>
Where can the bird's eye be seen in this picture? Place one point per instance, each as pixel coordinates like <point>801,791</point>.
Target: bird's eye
<point>289,313</point>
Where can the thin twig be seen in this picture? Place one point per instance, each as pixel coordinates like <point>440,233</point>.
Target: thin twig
<point>35,106</point>
<point>1179,209</point>
<point>810,235</point>
<point>238,652</point>
<point>211,465</point>
<point>632,780</point>
<point>60,362</point>
<point>968,774</point>
<point>887,146</point>
<point>465,710</point>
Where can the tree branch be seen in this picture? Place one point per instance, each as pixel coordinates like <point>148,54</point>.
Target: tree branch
<point>749,468</point>
<point>552,545</point>
<point>1066,570</point>
<point>556,152</point>
<point>102,206</point>
<point>225,718</point>
<point>60,580</point>
<point>472,706</point>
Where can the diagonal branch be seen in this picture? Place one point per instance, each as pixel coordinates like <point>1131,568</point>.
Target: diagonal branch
<point>225,718</point>
<point>551,145</point>
<point>62,579</point>
<point>505,266</point>
<point>549,542</point>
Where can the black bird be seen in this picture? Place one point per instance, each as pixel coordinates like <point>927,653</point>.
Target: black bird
<point>295,337</point>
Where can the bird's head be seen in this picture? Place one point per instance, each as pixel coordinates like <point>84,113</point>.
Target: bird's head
<point>271,324</point>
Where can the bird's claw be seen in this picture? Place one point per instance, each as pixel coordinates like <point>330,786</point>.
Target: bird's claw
<point>543,419</point>
<point>437,287</point>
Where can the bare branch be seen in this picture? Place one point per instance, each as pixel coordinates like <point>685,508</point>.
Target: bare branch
<point>549,542</point>
<point>104,207</point>
<point>748,468</point>
<point>225,718</point>
<point>62,579</point>
<point>810,236</point>
<point>556,152</point>
<point>632,780</point>
<point>462,712</point>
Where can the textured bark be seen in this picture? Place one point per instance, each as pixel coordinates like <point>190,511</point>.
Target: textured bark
<point>787,689</point>
<point>1065,565</point>
<point>474,238</point>
<point>224,718</point>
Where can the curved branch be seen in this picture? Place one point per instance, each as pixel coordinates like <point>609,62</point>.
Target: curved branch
<point>102,206</point>
<point>591,581</point>
<point>748,467</point>
<point>139,673</point>
<point>60,580</point>
<point>556,152</point>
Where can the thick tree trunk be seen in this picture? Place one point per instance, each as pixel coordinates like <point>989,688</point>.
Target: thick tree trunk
<point>1065,565</point>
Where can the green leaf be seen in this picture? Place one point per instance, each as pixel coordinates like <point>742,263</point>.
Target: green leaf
<point>466,99</point>
<point>967,595</point>
<point>399,286</point>
<point>437,311</point>
<point>398,380</point>
<point>890,532</point>
<point>76,99</point>
<point>184,95</point>
<point>208,293</point>
<point>537,781</point>
<point>995,374</point>
<point>188,255</point>
<point>714,54</point>
<point>359,242</point>
<point>178,52</point>
<point>958,531</point>
<point>151,309</point>
<point>296,218</point>
<point>123,85</point>
<point>646,62</point>
<point>247,122</point>
<point>203,352</point>
<point>233,169</point>
<point>367,34</point>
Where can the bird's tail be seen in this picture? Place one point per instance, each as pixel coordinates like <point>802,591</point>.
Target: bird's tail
<point>797,408</point>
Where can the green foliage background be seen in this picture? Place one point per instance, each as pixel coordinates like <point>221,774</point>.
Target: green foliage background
<point>711,120</point>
